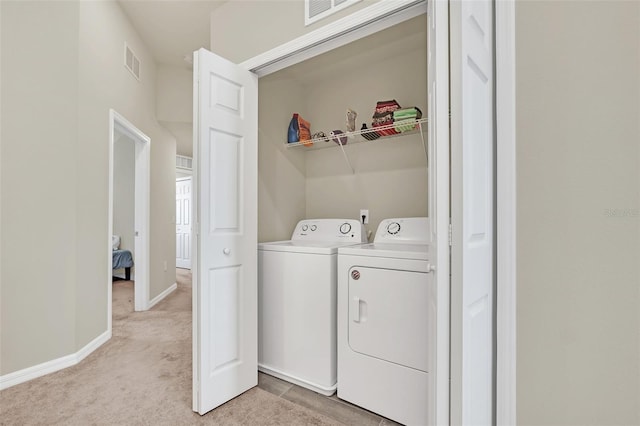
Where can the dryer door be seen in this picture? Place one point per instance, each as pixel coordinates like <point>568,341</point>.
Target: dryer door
<point>389,315</point>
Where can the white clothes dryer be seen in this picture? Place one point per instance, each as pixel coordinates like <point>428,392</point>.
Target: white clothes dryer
<point>386,323</point>
<point>297,302</point>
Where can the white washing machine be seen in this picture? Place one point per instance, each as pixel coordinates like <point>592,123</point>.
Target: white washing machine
<point>297,302</point>
<point>386,323</point>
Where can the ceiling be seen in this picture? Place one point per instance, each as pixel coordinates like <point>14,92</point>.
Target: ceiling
<point>171,29</point>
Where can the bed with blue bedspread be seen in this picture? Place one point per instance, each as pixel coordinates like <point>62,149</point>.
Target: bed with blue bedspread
<point>122,259</point>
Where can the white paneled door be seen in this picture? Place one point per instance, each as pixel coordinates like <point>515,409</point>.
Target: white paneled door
<point>183,223</point>
<point>225,355</point>
<point>439,202</point>
<point>473,207</point>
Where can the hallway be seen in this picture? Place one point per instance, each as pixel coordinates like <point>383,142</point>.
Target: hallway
<point>143,376</point>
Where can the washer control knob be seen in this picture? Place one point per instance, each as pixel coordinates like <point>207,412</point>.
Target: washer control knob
<point>345,228</point>
<point>305,227</point>
<point>226,251</point>
<point>393,228</point>
<point>314,227</point>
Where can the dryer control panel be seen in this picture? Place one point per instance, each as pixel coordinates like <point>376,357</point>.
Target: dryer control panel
<point>330,230</point>
<point>403,230</point>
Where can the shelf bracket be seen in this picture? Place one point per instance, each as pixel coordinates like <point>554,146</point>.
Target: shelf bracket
<point>424,144</point>
<point>346,158</point>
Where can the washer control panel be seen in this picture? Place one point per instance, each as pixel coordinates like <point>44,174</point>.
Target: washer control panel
<point>393,228</point>
<point>345,228</point>
<point>403,230</point>
<point>338,230</point>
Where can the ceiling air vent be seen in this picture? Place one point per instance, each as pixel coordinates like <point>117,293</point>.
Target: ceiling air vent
<point>183,162</point>
<point>131,61</point>
<point>315,10</point>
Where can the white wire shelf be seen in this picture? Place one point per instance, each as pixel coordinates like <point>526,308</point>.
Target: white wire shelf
<point>357,137</point>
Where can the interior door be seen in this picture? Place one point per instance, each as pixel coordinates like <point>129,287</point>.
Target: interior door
<point>225,354</point>
<point>473,145</point>
<point>183,223</point>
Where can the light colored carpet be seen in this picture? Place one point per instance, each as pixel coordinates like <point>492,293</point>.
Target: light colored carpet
<point>142,376</point>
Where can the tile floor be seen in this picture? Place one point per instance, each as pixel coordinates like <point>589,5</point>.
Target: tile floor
<point>330,406</point>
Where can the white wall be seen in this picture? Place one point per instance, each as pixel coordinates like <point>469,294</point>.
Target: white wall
<point>39,175</point>
<point>174,90</point>
<point>174,105</point>
<point>124,180</point>
<point>281,171</point>
<point>62,69</point>
<point>243,29</point>
<point>105,83</point>
<point>578,165</point>
<point>237,36</point>
<point>390,176</point>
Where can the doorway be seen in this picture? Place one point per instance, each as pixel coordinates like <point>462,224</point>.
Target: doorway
<point>438,181</point>
<point>183,222</point>
<point>123,131</point>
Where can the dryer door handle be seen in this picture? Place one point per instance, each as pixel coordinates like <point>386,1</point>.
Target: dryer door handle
<point>355,309</point>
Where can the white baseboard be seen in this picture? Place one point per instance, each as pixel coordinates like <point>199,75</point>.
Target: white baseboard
<point>162,295</point>
<point>54,365</point>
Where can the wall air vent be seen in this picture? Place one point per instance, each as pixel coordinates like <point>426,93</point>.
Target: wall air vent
<point>315,10</point>
<point>183,162</point>
<point>131,61</point>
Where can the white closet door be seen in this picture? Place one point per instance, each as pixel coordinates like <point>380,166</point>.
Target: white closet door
<point>225,194</point>
<point>439,188</point>
<point>473,144</point>
<point>183,223</point>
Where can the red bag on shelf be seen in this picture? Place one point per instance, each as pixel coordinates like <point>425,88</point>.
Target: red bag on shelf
<point>383,116</point>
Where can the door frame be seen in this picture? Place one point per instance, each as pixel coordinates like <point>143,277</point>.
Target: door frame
<point>341,32</point>
<point>367,21</point>
<point>506,250</point>
<point>117,122</point>
<point>360,24</point>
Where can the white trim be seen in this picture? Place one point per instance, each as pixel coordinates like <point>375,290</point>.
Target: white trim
<point>455,368</point>
<point>54,365</point>
<point>195,328</point>
<point>142,223</point>
<point>162,295</point>
<point>185,171</point>
<point>506,212</point>
<point>92,346</point>
<point>362,23</point>
<point>142,217</point>
<point>439,143</point>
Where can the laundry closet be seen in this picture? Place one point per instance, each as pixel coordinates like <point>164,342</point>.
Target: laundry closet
<point>391,177</point>
<point>387,176</point>
<point>335,170</point>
